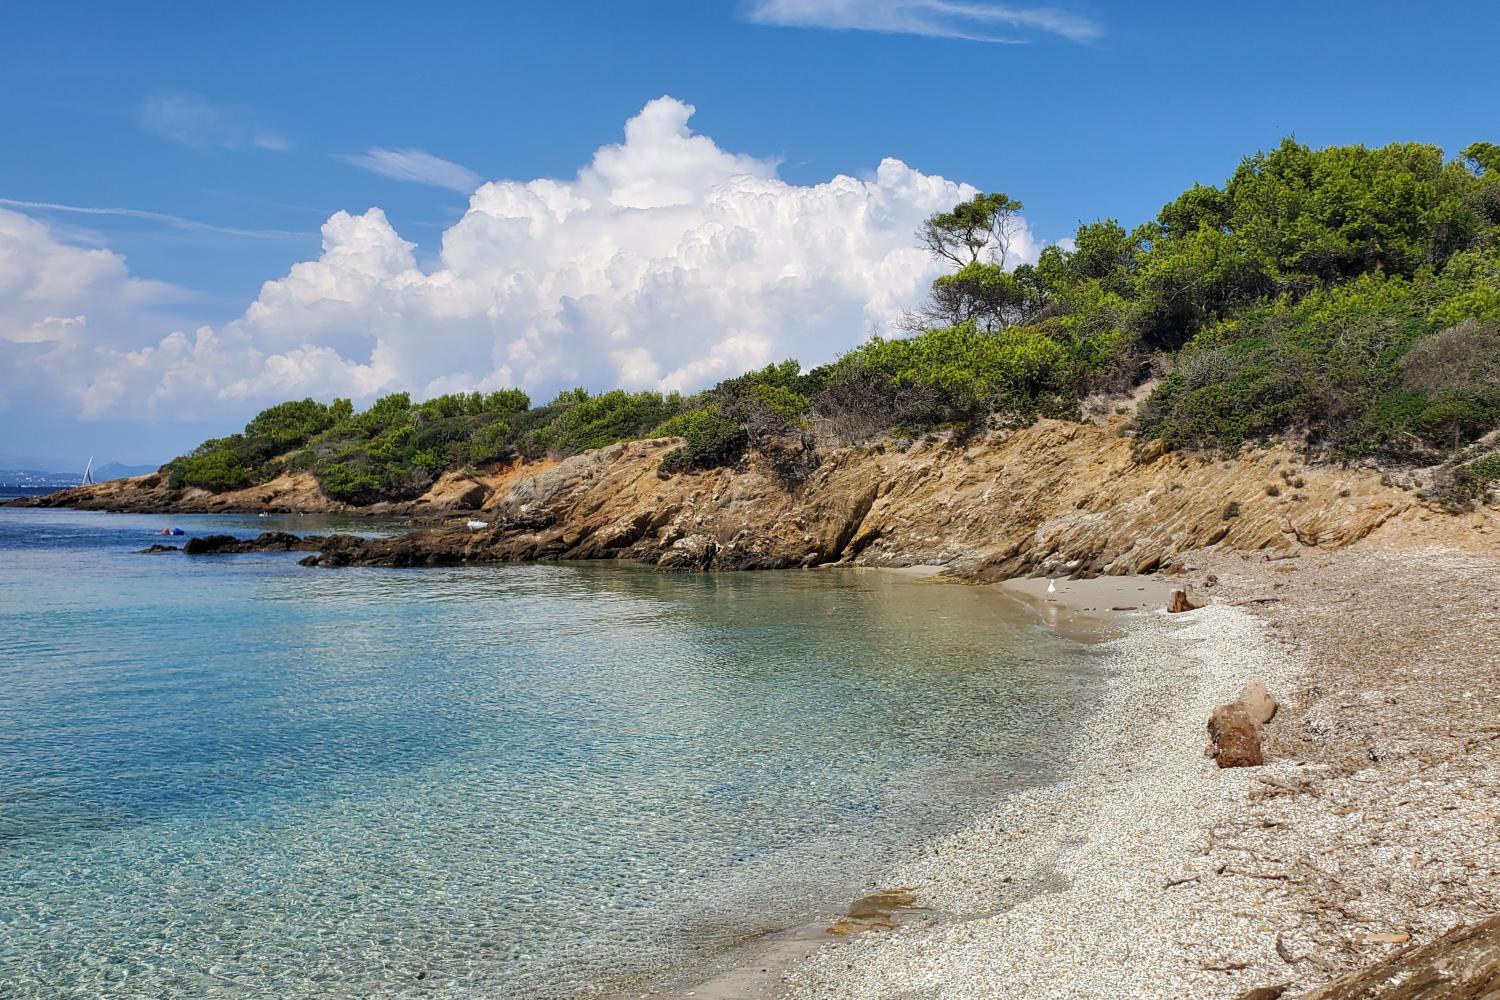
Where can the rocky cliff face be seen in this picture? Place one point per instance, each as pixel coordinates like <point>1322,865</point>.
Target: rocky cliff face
<point>1055,498</point>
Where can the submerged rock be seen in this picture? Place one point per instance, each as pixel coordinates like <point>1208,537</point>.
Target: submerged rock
<point>269,541</point>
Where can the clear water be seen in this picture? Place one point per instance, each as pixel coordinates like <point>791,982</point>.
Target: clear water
<point>236,777</point>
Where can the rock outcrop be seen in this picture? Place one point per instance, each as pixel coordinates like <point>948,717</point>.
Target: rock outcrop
<point>1057,499</point>
<point>268,541</point>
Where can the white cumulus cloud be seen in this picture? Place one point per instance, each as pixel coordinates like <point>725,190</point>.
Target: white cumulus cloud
<point>666,262</point>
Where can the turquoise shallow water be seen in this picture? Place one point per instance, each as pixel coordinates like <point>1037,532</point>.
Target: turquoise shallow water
<point>236,777</point>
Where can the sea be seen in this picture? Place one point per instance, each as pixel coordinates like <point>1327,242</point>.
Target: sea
<point>234,776</point>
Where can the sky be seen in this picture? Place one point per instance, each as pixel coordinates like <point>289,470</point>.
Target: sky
<point>206,209</point>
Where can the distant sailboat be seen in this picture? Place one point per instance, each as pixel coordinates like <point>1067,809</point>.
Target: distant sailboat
<point>88,473</point>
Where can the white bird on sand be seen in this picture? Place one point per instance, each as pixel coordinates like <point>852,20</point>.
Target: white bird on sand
<point>1051,587</point>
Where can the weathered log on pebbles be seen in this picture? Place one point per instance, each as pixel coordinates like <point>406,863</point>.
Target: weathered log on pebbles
<point>1258,701</point>
<point>1463,964</point>
<point>1235,735</point>
<point>1235,728</point>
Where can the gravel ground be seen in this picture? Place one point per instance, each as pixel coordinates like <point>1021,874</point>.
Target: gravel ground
<point>1150,873</point>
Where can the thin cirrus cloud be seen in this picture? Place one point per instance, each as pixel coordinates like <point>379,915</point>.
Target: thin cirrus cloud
<point>175,221</point>
<point>959,19</point>
<point>417,167</point>
<point>190,120</point>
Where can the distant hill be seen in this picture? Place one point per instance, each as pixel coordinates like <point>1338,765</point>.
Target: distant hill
<point>114,470</point>
<point>60,480</point>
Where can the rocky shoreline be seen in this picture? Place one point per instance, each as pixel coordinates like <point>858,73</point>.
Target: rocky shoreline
<point>1056,499</point>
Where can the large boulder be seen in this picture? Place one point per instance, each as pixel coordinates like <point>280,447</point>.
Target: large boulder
<point>690,553</point>
<point>267,541</point>
<point>211,544</point>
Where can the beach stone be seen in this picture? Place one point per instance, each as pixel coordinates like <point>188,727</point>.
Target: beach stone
<point>1236,736</point>
<point>1265,993</point>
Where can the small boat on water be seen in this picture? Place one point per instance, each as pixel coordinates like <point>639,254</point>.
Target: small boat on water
<point>171,531</point>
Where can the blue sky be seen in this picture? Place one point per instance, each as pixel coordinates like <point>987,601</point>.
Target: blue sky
<point>255,124</point>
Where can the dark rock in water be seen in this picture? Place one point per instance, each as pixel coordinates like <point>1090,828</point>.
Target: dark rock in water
<point>158,547</point>
<point>210,544</point>
<point>1236,736</point>
<point>416,548</point>
<point>270,541</point>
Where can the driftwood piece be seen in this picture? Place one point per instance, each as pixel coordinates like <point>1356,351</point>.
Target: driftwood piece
<point>1258,701</point>
<point>1235,736</point>
<point>1463,964</point>
<point>1181,602</point>
<point>1264,993</point>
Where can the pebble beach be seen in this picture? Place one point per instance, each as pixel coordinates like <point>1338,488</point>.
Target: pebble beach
<point>1148,872</point>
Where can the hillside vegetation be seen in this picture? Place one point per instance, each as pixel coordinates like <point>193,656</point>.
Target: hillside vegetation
<point>1348,296</point>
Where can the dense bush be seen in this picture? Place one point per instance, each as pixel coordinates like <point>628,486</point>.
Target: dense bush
<point>592,422</point>
<point>241,460</point>
<point>713,439</point>
<point>1361,368</point>
<point>958,375</point>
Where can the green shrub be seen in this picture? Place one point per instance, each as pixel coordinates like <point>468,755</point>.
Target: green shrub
<point>595,421</point>
<point>489,442</point>
<point>712,440</point>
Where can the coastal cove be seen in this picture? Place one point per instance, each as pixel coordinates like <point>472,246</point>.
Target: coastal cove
<point>680,502</point>
<point>550,777</point>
